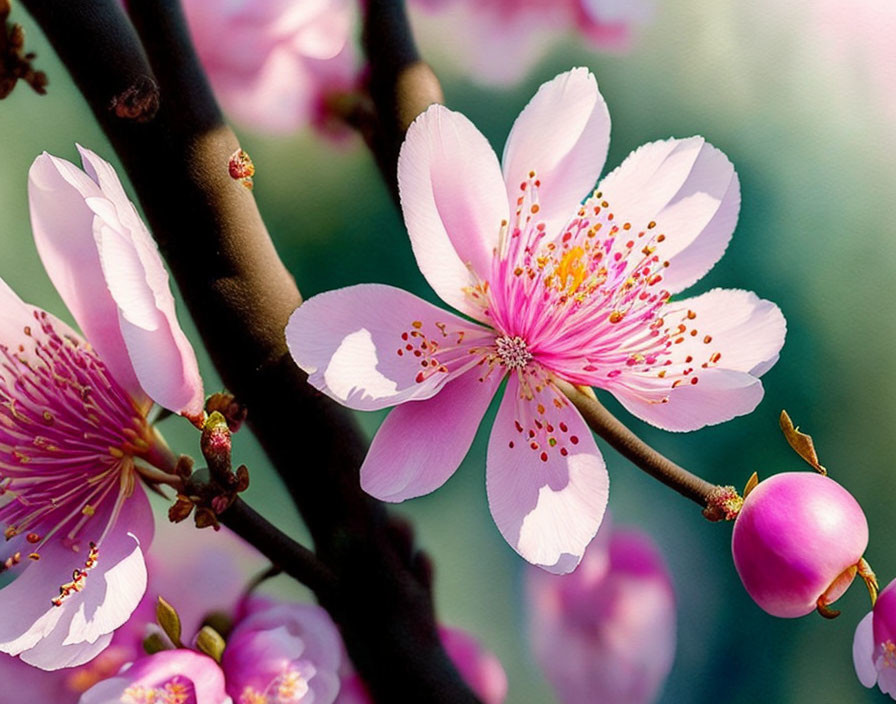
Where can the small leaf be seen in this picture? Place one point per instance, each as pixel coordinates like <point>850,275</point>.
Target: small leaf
<point>751,484</point>
<point>154,643</point>
<point>168,619</point>
<point>210,642</point>
<point>800,442</point>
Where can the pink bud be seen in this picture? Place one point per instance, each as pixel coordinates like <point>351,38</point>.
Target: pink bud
<point>798,542</point>
<point>874,645</point>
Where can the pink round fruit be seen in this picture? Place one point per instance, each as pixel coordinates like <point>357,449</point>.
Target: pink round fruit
<point>795,539</point>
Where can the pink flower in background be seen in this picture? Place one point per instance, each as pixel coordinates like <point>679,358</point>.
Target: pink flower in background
<point>74,438</point>
<point>874,645</point>
<point>285,653</point>
<point>499,41</point>
<point>168,677</point>
<point>479,668</point>
<point>558,290</point>
<point>605,633</point>
<point>274,64</point>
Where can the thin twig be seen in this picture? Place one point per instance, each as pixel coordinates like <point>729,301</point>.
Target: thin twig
<point>286,554</point>
<point>630,446</point>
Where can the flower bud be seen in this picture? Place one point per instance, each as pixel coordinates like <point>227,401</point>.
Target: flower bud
<point>798,542</point>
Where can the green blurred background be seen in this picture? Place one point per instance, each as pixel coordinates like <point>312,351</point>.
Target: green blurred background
<point>795,106</point>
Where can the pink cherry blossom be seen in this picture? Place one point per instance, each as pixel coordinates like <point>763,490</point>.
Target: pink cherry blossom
<point>607,631</point>
<point>874,645</point>
<point>168,677</point>
<point>478,667</point>
<point>799,536</point>
<point>284,654</point>
<point>557,289</point>
<point>74,437</point>
<point>499,41</point>
<point>274,64</point>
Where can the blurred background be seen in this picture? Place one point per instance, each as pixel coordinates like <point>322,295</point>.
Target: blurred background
<point>802,98</point>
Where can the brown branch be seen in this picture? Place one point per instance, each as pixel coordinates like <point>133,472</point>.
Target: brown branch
<point>401,85</point>
<point>285,553</point>
<point>152,100</point>
<point>714,499</point>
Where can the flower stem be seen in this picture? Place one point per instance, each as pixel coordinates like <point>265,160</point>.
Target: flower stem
<point>630,446</point>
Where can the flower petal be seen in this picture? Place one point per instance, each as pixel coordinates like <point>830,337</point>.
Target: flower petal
<point>690,190</point>
<point>720,395</point>
<point>562,135</point>
<point>63,232</point>
<point>51,637</point>
<point>863,651</point>
<point>365,345</point>
<point>546,480</point>
<point>163,358</point>
<point>421,443</point>
<point>453,201</point>
<point>197,673</point>
<point>735,328</point>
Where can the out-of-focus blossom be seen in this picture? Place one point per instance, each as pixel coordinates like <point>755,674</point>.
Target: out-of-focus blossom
<point>284,654</point>
<point>874,645</point>
<point>605,633</point>
<point>798,539</point>
<point>478,667</point>
<point>74,438</point>
<point>558,290</point>
<point>499,41</point>
<point>168,677</point>
<point>275,65</point>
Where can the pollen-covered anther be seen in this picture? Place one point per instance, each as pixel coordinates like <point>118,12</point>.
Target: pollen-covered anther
<point>513,351</point>
<point>79,577</point>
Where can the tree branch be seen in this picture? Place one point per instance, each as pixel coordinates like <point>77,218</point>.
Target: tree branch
<point>401,85</point>
<point>630,446</point>
<point>152,100</point>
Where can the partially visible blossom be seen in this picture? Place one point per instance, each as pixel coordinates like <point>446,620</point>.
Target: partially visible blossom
<point>558,290</point>
<point>874,645</point>
<point>797,542</point>
<point>275,65</point>
<point>499,41</point>
<point>168,677</point>
<point>606,632</point>
<point>478,667</point>
<point>283,654</point>
<point>74,437</point>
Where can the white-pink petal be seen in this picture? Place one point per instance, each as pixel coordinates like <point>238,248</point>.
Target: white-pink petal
<point>107,269</point>
<point>421,443</point>
<point>546,480</point>
<point>863,651</point>
<point>747,332</point>
<point>63,232</point>
<point>365,345</point>
<point>453,201</point>
<point>562,135</point>
<point>690,190</point>
<point>720,395</point>
<point>51,637</point>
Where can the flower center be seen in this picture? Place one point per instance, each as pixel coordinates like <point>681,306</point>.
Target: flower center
<point>513,351</point>
<point>68,437</point>
<point>175,691</point>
